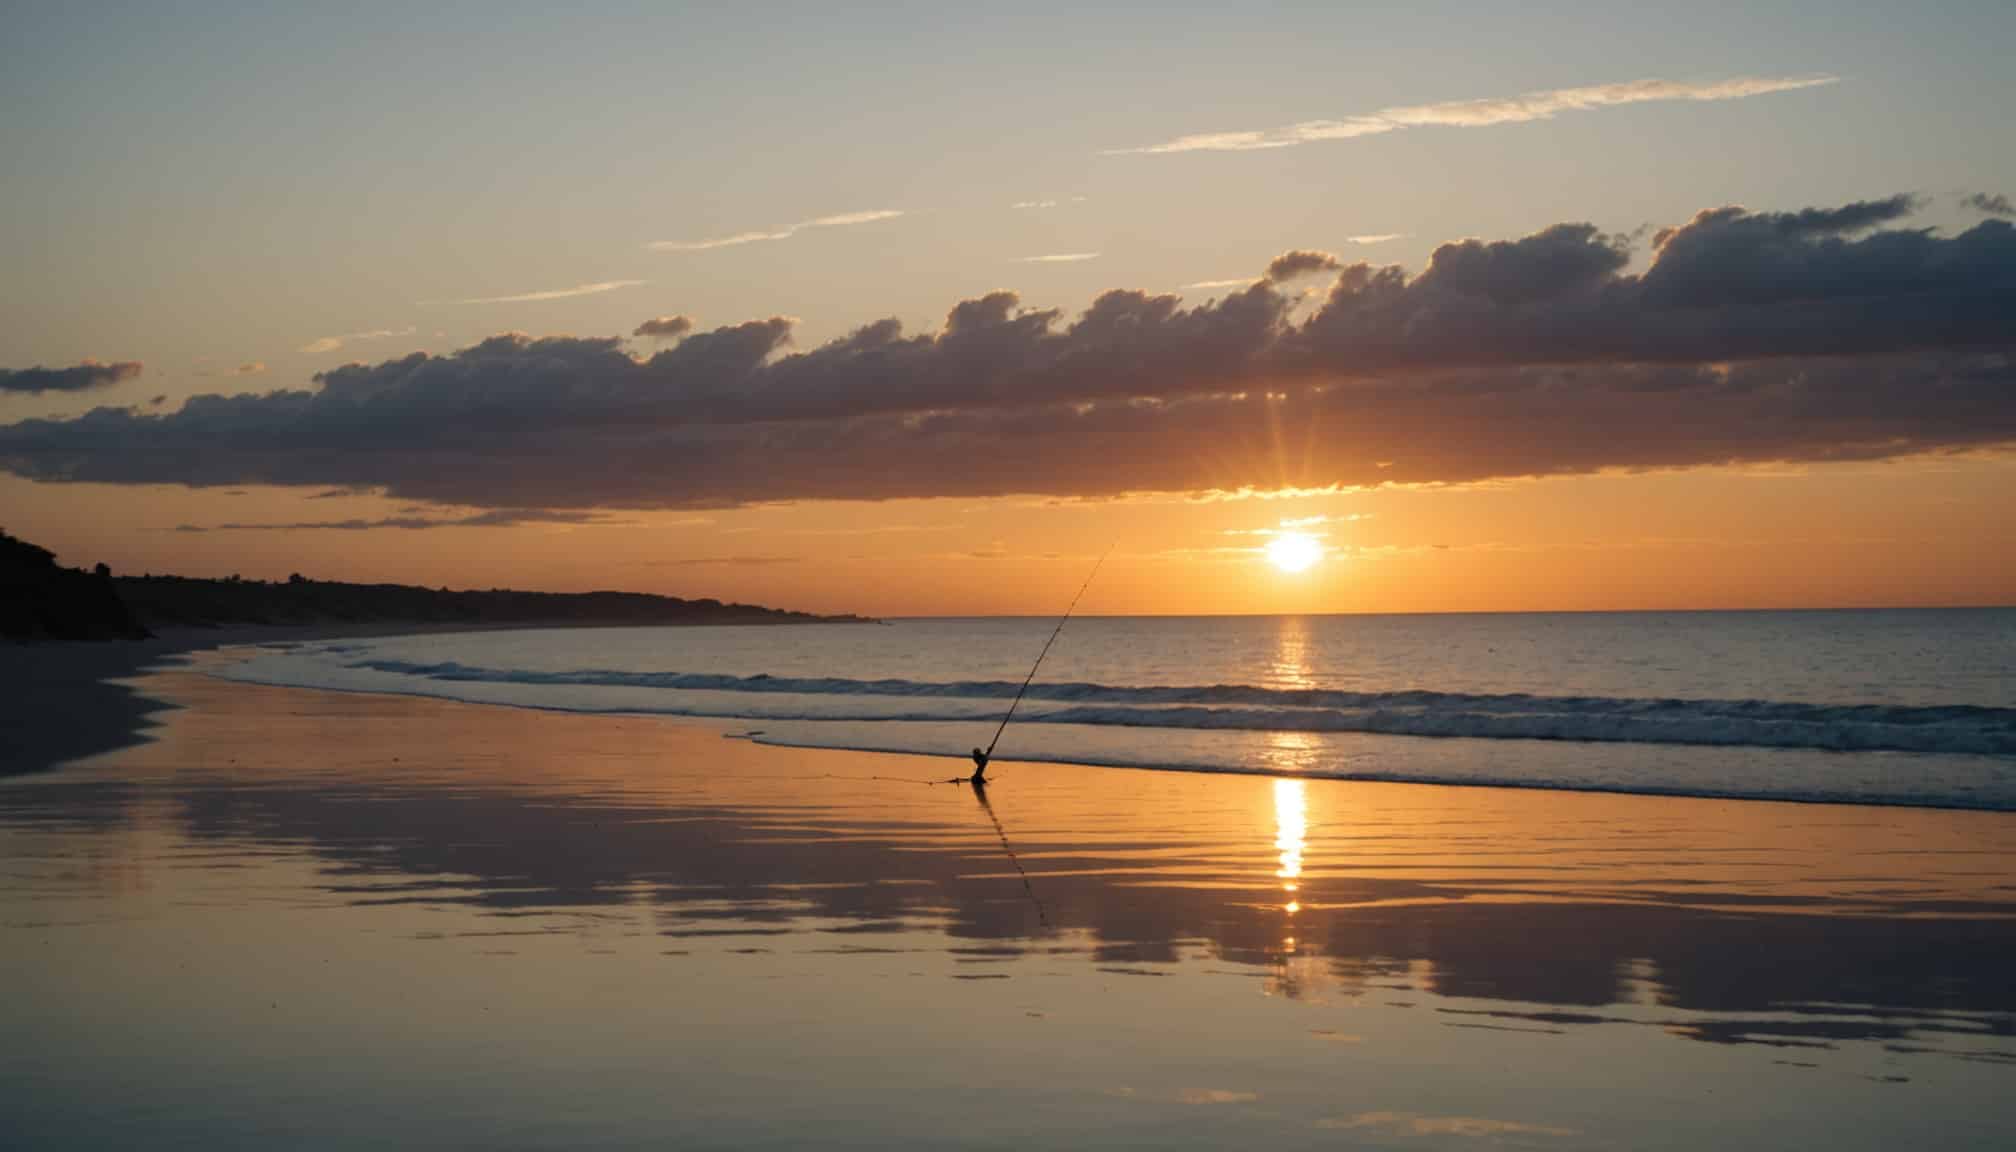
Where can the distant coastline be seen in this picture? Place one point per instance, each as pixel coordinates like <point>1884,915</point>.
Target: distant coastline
<point>180,601</point>
<point>68,636</point>
<point>44,601</point>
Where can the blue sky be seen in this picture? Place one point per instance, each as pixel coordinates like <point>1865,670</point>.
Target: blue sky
<point>231,183</point>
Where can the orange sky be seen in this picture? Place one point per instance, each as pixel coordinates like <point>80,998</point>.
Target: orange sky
<point>1927,531</point>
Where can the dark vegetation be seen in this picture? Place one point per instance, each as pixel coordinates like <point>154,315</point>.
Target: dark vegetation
<point>40,600</point>
<point>43,601</point>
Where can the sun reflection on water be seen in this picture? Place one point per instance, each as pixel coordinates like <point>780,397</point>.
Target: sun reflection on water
<point>1290,668</point>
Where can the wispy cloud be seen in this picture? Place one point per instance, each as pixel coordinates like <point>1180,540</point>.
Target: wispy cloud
<point>496,518</point>
<point>1216,1096</point>
<point>1034,205</point>
<point>868,530</point>
<point>1482,113</point>
<point>1471,1126</point>
<point>838,220</point>
<point>332,343</point>
<point>204,367</point>
<point>594,289</point>
<point>752,561</point>
<point>1300,524</point>
<point>1057,258</point>
<point>1308,521</point>
<point>1235,282</point>
<point>1375,238</point>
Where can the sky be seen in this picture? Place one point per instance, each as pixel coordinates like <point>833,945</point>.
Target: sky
<point>921,309</point>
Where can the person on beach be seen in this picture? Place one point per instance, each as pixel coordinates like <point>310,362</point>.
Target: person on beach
<point>979,767</point>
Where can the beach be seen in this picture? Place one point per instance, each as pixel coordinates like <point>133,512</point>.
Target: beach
<point>324,919</point>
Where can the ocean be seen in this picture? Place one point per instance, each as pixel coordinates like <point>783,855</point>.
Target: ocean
<point>1891,707</point>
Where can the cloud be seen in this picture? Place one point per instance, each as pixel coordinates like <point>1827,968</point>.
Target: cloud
<point>80,377</point>
<point>1300,262</point>
<point>664,327</point>
<point>1375,237</point>
<point>839,220</point>
<point>1470,1126</point>
<point>1030,205</point>
<point>752,561</point>
<point>496,518</point>
<point>594,289</point>
<point>332,343</point>
<point>1309,521</point>
<point>249,368</point>
<point>1296,525</point>
<point>1294,264</point>
<point>1058,258</point>
<point>1988,204</point>
<point>1823,334</point>
<point>1481,113</point>
<point>1216,1096</point>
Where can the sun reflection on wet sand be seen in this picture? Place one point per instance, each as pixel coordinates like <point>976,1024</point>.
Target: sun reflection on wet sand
<point>1291,833</point>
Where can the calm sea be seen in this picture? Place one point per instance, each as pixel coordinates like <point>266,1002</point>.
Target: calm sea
<point>1912,707</point>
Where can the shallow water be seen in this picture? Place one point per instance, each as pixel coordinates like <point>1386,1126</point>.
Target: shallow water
<point>1875,707</point>
<point>322,920</point>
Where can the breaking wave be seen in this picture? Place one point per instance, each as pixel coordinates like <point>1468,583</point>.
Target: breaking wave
<point>1945,729</point>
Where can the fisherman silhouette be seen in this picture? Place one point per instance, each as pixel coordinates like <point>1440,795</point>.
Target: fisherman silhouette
<point>979,776</point>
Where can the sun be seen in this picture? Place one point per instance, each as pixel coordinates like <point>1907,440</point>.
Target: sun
<point>1294,551</point>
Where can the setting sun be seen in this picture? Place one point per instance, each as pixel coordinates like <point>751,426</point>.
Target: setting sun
<point>1294,551</point>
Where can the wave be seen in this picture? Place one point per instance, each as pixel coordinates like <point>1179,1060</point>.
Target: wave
<point>1947,729</point>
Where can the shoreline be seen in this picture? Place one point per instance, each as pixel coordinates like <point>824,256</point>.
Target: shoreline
<point>81,700</point>
<point>69,699</point>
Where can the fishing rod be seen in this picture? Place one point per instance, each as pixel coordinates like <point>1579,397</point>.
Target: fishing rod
<point>989,754</point>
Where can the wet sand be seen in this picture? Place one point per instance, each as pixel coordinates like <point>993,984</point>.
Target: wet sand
<point>326,920</point>
<point>67,700</point>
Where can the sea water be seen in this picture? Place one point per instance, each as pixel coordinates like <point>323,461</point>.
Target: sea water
<point>1909,707</point>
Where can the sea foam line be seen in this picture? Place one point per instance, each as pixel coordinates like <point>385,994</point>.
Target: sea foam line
<point>1944,729</point>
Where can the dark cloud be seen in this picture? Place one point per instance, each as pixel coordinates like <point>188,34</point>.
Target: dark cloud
<point>1300,262</point>
<point>1989,204</point>
<point>664,327</point>
<point>76,378</point>
<point>496,518</point>
<point>1820,334</point>
<point>249,368</point>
